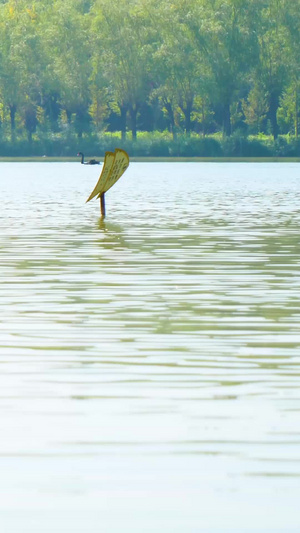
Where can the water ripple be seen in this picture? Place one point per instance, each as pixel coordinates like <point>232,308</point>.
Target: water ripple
<point>166,335</point>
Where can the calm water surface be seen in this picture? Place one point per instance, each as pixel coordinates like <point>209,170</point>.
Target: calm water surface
<point>150,362</point>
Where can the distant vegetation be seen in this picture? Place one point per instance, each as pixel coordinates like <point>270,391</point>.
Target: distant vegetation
<point>167,77</point>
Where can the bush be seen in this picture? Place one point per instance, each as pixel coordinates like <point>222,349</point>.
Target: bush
<point>287,147</point>
<point>240,146</point>
<point>152,144</point>
<point>196,147</point>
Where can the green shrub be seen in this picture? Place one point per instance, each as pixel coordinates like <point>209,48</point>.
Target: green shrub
<point>240,146</point>
<point>152,144</point>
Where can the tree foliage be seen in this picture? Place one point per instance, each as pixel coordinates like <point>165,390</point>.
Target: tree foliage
<point>80,67</point>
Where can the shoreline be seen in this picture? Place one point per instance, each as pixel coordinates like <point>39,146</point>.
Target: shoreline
<point>134,159</point>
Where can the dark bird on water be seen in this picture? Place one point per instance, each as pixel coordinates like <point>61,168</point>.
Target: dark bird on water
<point>90,162</point>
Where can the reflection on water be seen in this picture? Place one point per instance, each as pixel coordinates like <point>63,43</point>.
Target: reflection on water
<point>150,361</point>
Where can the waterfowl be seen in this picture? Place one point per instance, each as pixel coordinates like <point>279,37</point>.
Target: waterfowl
<point>90,162</point>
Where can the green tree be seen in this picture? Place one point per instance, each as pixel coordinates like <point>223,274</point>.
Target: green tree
<point>291,23</point>
<point>67,41</point>
<point>272,67</point>
<point>255,108</point>
<point>120,39</point>
<point>225,31</point>
<point>181,68</point>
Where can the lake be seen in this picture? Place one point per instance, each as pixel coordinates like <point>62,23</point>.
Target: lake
<point>150,361</point>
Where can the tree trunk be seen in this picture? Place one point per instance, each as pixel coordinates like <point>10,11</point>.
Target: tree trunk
<point>226,119</point>
<point>30,121</point>
<point>123,109</point>
<point>133,114</point>
<point>203,119</point>
<point>274,104</point>
<point>170,111</point>
<point>296,110</point>
<point>187,111</point>
<point>12,112</point>
<point>187,117</point>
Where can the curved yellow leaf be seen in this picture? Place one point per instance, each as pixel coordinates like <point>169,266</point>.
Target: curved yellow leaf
<point>120,164</point>
<point>114,166</point>
<point>107,166</point>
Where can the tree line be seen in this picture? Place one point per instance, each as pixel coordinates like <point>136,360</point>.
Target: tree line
<point>201,67</point>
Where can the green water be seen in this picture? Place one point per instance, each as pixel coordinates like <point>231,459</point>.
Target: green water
<point>150,362</point>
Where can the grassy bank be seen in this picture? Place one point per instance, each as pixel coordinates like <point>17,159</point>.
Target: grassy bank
<point>38,159</point>
<point>156,145</point>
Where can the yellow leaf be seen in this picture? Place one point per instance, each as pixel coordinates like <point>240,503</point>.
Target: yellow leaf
<point>114,167</point>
